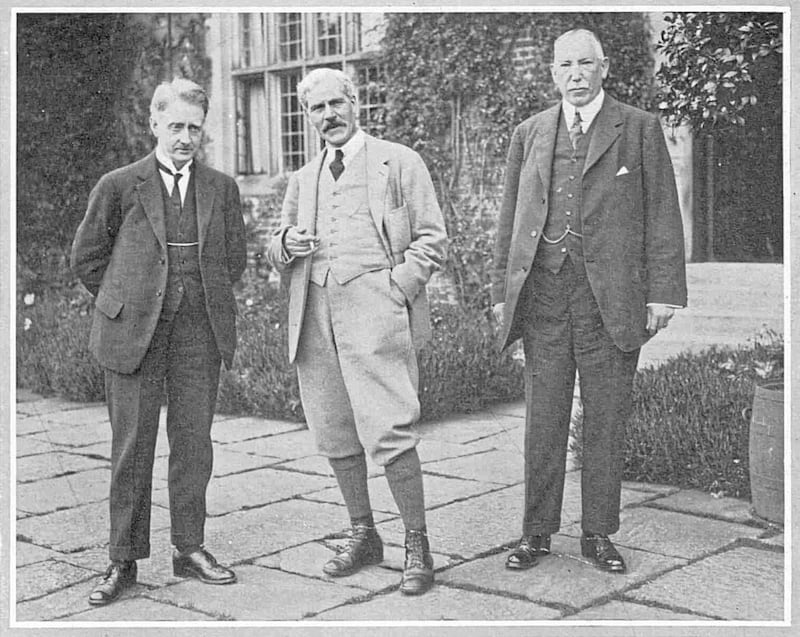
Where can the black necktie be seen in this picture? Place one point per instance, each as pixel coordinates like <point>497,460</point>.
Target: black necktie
<point>575,131</point>
<point>337,165</point>
<point>175,198</point>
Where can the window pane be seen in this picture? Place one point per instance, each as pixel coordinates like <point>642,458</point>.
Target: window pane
<point>292,132</point>
<point>329,33</point>
<point>290,33</point>
<point>251,126</point>
<point>372,99</point>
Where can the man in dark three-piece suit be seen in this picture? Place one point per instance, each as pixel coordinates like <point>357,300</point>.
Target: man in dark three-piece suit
<point>159,248</point>
<point>588,264</point>
<point>361,233</point>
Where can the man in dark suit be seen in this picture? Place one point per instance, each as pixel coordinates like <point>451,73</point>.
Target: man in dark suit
<point>361,233</point>
<point>160,246</point>
<point>588,264</point>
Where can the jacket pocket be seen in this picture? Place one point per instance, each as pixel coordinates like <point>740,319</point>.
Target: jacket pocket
<point>108,305</point>
<point>398,230</point>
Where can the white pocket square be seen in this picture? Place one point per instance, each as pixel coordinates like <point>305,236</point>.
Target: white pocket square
<point>622,171</point>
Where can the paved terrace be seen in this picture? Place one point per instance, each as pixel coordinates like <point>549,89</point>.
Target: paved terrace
<point>275,514</point>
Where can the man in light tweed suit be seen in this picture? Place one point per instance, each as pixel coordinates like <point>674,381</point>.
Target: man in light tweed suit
<point>361,233</point>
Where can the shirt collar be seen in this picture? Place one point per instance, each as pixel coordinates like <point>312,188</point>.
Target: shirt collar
<point>588,112</point>
<point>349,149</point>
<point>162,157</point>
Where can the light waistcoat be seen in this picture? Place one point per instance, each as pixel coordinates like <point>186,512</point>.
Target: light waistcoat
<point>349,241</point>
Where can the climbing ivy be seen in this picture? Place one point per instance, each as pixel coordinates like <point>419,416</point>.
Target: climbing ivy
<point>458,84</point>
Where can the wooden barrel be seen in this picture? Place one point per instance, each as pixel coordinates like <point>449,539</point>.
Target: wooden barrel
<point>766,452</point>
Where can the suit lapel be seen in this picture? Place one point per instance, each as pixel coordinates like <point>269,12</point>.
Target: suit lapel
<point>307,203</point>
<point>545,142</point>
<point>377,180</point>
<point>204,191</point>
<point>152,198</point>
<point>607,127</point>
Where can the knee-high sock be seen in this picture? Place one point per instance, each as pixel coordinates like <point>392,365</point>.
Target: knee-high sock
<point>404,475</point>
<point>351,474</point>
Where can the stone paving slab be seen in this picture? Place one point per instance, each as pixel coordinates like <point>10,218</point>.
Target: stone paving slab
<point>247,428</point>
<point>40,467</point>
<point>77,528</point>
<point>76,435</point>
<point>291,445</point>
<point>260,594</point>
<point>510,440</point>
<point>140,608</point>
<point>563,578</point>
<point>471,527</point>
<point>59,604</point>
<point>675,534</point>
<point>41,578</point>
<point>462,429</point>
<point>253,488</point>
<point>658,489</point>
<point>701,503</point>
<point>499,467</point>
<point>308,559</point>
<point>433,450</point>
<point>438,604</point>
<point>245,535</point>
<point>42,406</point>
<point>28,553</point>
<point>26,425</point>
<point>740,584</point>
<point>438,491</point>
<point>30,446</point>
<point>226,463</point>
<point>44,496</point>
<point>631,612</point>
<point>85,414</point>
<point>515,409</point>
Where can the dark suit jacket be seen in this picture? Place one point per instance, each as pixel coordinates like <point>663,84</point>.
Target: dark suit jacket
<point>632,229</point>
<point>120,255</point>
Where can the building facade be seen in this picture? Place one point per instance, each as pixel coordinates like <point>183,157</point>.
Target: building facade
<point>256,128</point>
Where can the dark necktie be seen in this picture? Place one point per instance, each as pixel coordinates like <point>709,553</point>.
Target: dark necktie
<point>337,165</point>
<point>575,131</point>
<point>175,198</point>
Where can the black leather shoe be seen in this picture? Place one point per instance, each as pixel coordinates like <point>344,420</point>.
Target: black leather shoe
<point>418,567</point>
<point>201,565</point>
<point>118,577</point>
<point>363,547</point>
<point>529,548</point>
<point>602,552</point>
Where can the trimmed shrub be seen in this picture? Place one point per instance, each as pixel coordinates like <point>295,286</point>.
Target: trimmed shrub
<point>52,354</point>
<point>460,370</point>
<point>687,428</point>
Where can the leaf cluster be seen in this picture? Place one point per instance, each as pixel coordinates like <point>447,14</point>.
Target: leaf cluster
<point>718,66</point>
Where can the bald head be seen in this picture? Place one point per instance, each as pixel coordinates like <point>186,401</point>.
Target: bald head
<point>579,66</point>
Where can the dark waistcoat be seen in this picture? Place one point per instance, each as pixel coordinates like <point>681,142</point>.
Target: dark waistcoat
<point>564,210</point>
<point>183,273</point>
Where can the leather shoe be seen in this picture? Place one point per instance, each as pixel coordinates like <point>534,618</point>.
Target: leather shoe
<point>602,552</point>
<point>201,565</point>
<point>418,567</point>
<point>363,547</point>
<point>118,577</point>
<point>529,548</point>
